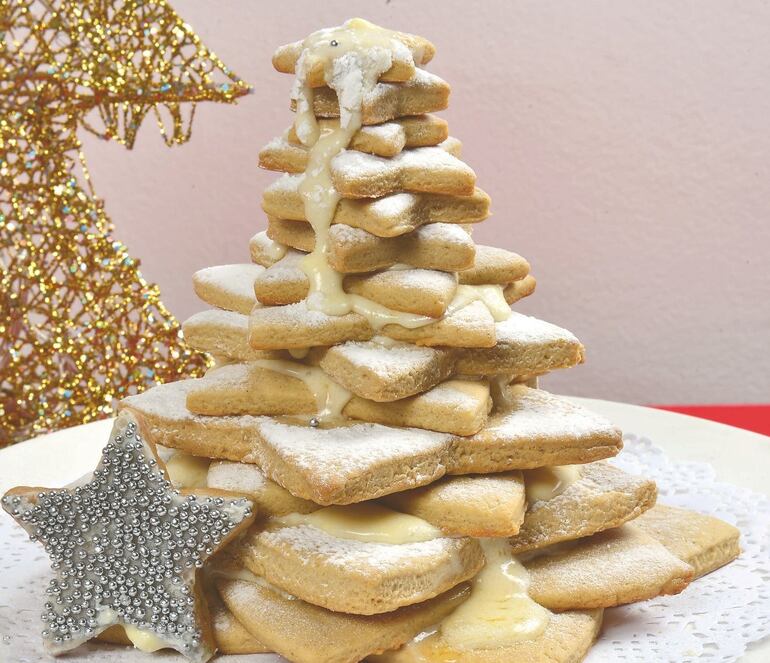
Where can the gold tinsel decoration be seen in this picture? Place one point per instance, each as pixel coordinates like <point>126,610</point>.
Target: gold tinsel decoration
<point>79,326</point>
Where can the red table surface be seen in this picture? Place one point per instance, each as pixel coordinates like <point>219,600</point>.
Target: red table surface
<point>750,417</point>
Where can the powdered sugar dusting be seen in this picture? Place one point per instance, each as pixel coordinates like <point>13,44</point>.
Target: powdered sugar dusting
<point>351,164</point>
<point>452,145</point>
<point>455,395</point>
<point>422,80</point>
<point>348,78</point>
<point>312,543</point>
<point>297,314</point>
<point>449,233</point>
<point>232,375</point>
<point>349,449</point>
<point>227,320</point>
<point>391,360</point>
<point>421,279</point>
<point>235,279</point>
<point>264,251</point>
<point>286,183</point>
<point>395,204</point>
<point>169,402</point>
<point>535,413</point>
<point>280,143</point>
<point>476,489</point>
<point>433,233</point>
<point>389,132</point>
<point>287,268</point>
<point>348,235</point>
<point>519,328</point>
<point>236,477</point>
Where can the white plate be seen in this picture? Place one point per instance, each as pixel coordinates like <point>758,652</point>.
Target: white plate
<point>739,457</point>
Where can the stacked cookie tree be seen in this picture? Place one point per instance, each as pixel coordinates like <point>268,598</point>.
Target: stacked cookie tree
<point>374,395</point>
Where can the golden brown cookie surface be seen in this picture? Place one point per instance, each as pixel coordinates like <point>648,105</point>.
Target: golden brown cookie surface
<point>704,542</point>
<point>567,639</point>
<point>358,577</point>
<point>617,566</point>
<point>602,497</point>
<point>388,216</point>
<point>305,633</point>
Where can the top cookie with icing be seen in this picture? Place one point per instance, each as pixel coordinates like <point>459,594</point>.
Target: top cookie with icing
<point>408,50</point>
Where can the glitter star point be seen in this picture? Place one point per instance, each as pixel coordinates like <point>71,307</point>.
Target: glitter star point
<point>127,547</point>
<point>80,327</point>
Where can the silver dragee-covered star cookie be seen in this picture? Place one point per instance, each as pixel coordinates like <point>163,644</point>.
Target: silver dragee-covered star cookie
<point>127,549</point>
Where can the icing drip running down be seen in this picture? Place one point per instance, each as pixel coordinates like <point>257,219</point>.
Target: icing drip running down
<point>498,614</point>
<point>330,397</point>
<point>366,522</point>
<point>490,295</point>
<point>545,483</point>
<point>353,58</point>
<point>364,52</point>
<point>499,611</point>
<point>271,249</point>
<point>187,471</point>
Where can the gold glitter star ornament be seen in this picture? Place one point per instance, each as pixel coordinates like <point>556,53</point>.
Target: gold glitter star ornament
<point>80,328</point>
<point>128,548</point>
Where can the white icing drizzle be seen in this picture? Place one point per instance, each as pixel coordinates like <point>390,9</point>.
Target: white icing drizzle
<point>354,56</point>
<point>187,471</point>
<point>545,483</point>
<point>499,611</point>
<point>499,390</point>
<point>366,521</point>
<point>490,295</point>
<point>359,38</point>
<point>330,397</point>
<point>498,614</point>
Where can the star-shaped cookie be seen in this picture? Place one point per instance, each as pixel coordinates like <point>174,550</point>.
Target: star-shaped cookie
<point>127,548</point>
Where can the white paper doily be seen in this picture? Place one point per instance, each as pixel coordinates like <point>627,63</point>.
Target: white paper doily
<point>718,616</point>
<point>713,620</point>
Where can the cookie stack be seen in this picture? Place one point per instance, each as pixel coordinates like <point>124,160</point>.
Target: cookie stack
<point>418,498</point>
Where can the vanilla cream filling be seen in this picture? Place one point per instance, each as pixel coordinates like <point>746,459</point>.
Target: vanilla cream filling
<point>545,483</point>
<point>499,388</point>
<point>353,57</point>
<point>187,471</point>
<point>499,613</point>
<point>330,397</point>
<point>145,641</point>
<point>233,573</point>
<point>366,521</point>
<point>490,295</point>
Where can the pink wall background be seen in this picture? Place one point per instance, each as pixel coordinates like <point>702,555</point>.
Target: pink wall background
<point>625,144</point>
